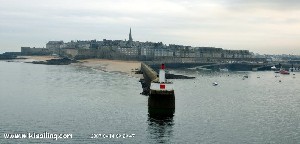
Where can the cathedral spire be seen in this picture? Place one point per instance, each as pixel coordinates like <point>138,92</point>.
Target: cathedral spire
<point>130,37</point>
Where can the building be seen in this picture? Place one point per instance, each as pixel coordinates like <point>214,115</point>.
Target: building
<point>55,46</point>
<point>129,51</point>
<point>144,50</point>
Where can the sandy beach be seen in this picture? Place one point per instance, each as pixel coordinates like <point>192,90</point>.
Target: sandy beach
<point>125,67</point>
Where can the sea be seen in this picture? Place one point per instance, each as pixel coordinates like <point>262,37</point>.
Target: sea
<point>73,104</point>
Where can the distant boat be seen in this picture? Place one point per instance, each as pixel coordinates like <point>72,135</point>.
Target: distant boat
<point>215,84</point>
<point>224,70</point>
<point>273,68</point>
<point>285,72</point>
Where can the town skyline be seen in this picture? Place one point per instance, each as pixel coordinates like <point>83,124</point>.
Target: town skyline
<point>265,27</point>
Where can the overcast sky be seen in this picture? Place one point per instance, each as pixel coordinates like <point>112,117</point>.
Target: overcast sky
<point>261,26</point>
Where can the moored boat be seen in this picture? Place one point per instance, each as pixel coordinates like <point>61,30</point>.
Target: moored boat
<point>273,68</point>
<point>215,84</point>
<point>284,72</point>
<point>224,70</point>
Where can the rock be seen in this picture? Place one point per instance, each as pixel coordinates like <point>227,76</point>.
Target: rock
<point>174,76</point>
<point>62,61</point>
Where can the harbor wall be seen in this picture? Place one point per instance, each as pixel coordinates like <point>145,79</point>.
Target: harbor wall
<point>27,51</point>
<point>149,75</point>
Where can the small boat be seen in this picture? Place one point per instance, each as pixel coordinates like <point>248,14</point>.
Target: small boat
<point>273,68</point>
<point>285,72</point>
<point>215,84</point>
<point>224,70</point>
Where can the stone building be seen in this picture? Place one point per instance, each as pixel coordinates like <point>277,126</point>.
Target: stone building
<point>129,51</point>
<point>54,46</point>
<point>144,50</point>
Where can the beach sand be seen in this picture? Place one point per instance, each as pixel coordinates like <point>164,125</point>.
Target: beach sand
<point>124,67</point>
<point>118,66</point>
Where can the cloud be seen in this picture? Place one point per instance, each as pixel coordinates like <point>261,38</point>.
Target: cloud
<point>231,24</point>
<point>264,4</point>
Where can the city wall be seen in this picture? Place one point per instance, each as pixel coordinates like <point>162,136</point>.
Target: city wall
<point>26,51</point>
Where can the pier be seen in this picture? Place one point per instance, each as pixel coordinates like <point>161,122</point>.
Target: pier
<point>149,75</point>
<point>161,101</point>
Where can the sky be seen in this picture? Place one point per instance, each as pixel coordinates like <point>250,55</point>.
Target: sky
<point>261,26</point>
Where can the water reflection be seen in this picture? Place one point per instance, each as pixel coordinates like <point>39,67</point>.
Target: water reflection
<point>160,128</point>
<point>160,118</point>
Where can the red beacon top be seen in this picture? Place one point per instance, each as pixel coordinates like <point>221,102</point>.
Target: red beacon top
<point>162,66</point>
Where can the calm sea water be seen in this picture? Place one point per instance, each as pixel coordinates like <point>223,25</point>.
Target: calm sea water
<point>82,102</point>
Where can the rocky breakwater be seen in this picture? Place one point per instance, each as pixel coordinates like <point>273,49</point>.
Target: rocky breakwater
<point>6,57</point>
<point>150,75</point>
<point>10,55</point>
<point>60,61</point>
<point>175,76</point>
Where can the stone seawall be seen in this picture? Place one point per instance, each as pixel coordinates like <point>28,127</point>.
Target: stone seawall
<point>149,75</point>
<point>27,51</point>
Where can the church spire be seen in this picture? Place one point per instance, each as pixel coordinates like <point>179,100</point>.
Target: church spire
<point>130,37</point>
